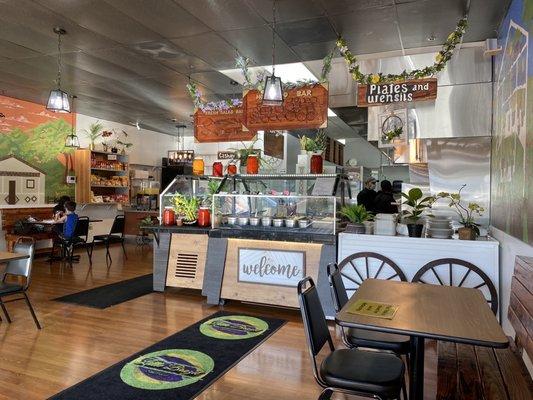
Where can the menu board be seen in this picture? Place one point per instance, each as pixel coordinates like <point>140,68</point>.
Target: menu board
<point>304,107</point>
<point>373,309</point>
<point>221,126</point>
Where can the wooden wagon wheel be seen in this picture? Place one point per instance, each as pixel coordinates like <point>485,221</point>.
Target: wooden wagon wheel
<point>477,279</point>
<point>355,274</point>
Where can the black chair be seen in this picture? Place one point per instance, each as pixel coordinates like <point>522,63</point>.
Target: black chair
<point>79,239</point>
<point>443,271</point>
<point>351,371</point>
<point>353,337</point>
<point>116,235</point>
<point>18,268</point>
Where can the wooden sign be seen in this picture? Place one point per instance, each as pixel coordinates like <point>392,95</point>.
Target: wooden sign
<point>396,92</point>
<point>274,145</point>
<point>226,155</point>
<point>220,126</point>
<point>303,108</point>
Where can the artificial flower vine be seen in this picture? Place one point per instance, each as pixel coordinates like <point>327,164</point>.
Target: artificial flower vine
<point>441,59</point>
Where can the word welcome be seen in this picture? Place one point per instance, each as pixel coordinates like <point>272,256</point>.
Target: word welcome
<point>264,267</point>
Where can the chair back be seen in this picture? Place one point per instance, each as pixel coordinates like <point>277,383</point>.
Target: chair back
<point>338,290</point>
<point>21,267</point>
<point>82,228</point>
<point>118,225</point>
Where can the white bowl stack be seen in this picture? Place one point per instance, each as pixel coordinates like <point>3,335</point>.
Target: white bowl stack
<point>439,227</point>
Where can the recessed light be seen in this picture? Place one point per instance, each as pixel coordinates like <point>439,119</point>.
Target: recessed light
<point>431,38</point>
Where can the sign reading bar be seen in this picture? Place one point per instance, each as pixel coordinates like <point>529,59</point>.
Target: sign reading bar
<point>373,309</point>
<point>220,126</point>
<point>305,107</point>
<point>226,155</point>
<point>396,92</point>
<point>271,267</point>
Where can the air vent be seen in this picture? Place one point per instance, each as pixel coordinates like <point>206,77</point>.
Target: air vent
<point>186,265</point>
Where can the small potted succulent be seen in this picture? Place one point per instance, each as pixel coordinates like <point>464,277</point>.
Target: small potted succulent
<point>357,215</point>
<point>417,203</point>
<point>186,208</point>
<point>470,229</point>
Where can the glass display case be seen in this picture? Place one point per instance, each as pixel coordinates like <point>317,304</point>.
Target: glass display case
<point>281,213</point>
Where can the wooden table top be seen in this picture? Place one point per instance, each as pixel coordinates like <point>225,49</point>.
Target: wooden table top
<point>439,312</point>
<point>6,256</point>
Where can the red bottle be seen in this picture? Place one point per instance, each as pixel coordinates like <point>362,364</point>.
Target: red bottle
<point>169,217</point>
<point>316,164</point>
<point>204,217</point>
<point>217,168</point>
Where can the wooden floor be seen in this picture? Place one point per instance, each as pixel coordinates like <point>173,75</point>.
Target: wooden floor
<point>77,342</point>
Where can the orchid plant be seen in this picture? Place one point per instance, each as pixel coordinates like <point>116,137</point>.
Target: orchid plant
<point>468,213</point>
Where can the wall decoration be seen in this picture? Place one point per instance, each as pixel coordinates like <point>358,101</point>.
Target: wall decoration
<point>221,125</point>
<point>393,129</point>
<point>303,108</point>
<point>399,92</point>
<point>15,184</point>
<point>274,144</point>
<point>512,142</point>
<point>37,137</point>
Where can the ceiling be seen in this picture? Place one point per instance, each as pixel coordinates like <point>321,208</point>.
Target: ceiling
<point>129,60</point>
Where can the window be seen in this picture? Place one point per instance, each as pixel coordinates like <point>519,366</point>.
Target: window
<point>30,183</point>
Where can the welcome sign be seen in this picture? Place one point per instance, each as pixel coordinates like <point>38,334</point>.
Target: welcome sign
<point>396,92</point>
<point>271,267</point>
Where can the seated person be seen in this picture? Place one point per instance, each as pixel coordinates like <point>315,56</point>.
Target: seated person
<point>71,218</point>
<point>383,203</point>
<point>59,209</point>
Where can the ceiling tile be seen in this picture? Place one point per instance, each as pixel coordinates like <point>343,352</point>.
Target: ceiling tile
<point>334,7</point>
<point>217,82</point>
<point>288,10</point>
<point>12,50</point>
<point>314,51</point>
<point>308,31</point>
<point>211,48</point>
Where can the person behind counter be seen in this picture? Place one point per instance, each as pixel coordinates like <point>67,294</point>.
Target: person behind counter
<point>384,199</point>
<point>367,196</point>
<point>59,209</point>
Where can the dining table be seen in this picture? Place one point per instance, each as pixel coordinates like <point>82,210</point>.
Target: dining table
<point>423,311</point>
<point>6,256</point>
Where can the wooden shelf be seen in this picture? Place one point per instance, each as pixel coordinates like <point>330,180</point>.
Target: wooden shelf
<point>109,169</point>
<point>109,186</point>
<point>108,153</point>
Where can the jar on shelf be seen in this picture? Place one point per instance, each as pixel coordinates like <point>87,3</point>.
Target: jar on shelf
<point>204,217</point>
<point>169,216</point>
<point>198,166</point>
<point>317,163</point>
<point>252,164</point>
<point>217,168</point>
<point>232,168</point>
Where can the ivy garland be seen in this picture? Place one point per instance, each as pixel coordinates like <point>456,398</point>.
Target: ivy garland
<point>441,59</point>
<point>199,104</point>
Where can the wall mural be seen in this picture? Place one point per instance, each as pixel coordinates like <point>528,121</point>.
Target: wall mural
<point>33,159</point>
<point>512,145</point>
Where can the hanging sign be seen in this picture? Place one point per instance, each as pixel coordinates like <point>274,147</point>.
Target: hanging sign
<point>396,92</point>
<point>220,126</point>
<point>226,155</point>
<point>304,107</point>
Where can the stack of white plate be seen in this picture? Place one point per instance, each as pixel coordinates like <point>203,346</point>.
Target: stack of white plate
<point>440,227</point>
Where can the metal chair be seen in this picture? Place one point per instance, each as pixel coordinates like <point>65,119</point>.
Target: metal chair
<point>353,337</point>
<point>351,371</point>
<point>460,273</point>
<point>115,235</point>
<point>18,268</point>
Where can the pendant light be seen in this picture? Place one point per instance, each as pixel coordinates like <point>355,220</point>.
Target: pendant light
<point>58,99</point>
<point>273,91</point>
<point>72,140</point>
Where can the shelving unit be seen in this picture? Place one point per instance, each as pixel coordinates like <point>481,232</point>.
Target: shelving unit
<point>101,178</point>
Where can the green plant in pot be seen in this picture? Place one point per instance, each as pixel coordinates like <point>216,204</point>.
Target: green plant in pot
<point>470,229</point>
<point>356,214</point>
<point>93,133</point>
<point>417,204</point>
<point>186,208</point>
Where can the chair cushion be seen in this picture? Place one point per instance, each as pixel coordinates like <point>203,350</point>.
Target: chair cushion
<point>6,288</point>
<point>378,340</point>
<point>364,371</point>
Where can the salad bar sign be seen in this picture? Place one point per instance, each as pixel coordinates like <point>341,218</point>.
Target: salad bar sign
<point>271,267</point>
<point>396,92</point>
<point>221,126</point>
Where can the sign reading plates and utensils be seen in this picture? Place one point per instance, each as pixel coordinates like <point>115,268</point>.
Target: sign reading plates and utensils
<point>221,126</point>
<point>271,267</point>
<point>396,92</point>
<point>303,108</point>
<point>226,155</point>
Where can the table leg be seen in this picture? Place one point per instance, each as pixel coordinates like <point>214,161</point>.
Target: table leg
<point>416,369</point>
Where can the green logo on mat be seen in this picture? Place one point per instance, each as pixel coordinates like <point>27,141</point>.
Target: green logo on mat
<point>167,369</point>
<point>234,327</point>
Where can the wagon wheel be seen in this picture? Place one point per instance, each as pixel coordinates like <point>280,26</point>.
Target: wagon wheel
<point>360,266</point>
<point>459,273</point>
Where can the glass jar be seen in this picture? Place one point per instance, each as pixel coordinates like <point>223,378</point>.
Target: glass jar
<point>198,166</point>
<point>169,216</point>
<point>252,164</point>
<point>204,217</point>
<point>317,164</point>
<point>232,168</point>
<point>217,168</point>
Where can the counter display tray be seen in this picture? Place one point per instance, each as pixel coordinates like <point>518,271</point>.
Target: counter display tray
<point>307,235</point>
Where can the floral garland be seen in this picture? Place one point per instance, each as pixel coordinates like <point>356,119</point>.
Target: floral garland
<point>441,59</point>
<point>199,104</point>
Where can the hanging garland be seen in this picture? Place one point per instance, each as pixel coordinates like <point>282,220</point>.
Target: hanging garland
<point>199,104</point>
<point>441,59</point>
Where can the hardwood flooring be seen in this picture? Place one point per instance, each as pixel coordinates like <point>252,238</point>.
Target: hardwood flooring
<point>77,342</point>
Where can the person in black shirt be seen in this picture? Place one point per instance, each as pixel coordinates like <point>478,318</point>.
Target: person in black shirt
<point>384,199</point>
<point>367,196</point>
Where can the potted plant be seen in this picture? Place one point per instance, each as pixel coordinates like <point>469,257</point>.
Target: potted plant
<point>125,145</point>
<point>357,215</point>
<point>417,203</point>
<point>186,208</point>
<point>470,229</point>
<point>93,133</point>
<point>242,154</point>
<point>105,143</point>
<point>303,144</point>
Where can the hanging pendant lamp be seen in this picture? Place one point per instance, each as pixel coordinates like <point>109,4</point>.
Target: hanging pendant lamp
<point>72,140</point>
<point>58,99</point>
<point>273,91</point>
